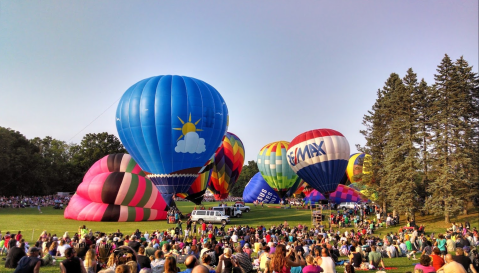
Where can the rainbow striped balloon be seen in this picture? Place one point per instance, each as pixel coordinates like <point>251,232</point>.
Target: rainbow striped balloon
<point>227,166</point>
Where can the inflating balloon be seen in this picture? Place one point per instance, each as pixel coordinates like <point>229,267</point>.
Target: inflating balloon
<point>258,189</point>
<point>341,194</point>
<point>320,158</point>
<point>116,189</point>
<point>301,188</point>
<point>272,163</point>
<point>294,188</point>
<point>227,166</point>
<point>171,126</point>
<point>365,190</point>
<point>355,166</point>
<point>197,190</point>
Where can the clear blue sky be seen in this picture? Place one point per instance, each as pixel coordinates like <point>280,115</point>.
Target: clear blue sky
<point>283,67</point>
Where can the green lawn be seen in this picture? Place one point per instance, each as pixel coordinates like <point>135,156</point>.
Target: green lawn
<point>32,223</point>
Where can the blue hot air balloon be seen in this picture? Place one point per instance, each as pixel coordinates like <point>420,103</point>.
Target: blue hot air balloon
<point>258,189</point>
<point>320,158</point>
<point>171,126</point>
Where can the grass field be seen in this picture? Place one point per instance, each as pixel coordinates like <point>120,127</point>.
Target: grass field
<point>32,223</point>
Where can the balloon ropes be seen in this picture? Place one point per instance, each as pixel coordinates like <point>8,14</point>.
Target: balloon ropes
<point>171,126</point>
<point>116,189</point>
<point>320,158</point>
<point>272,163</point>
<point>227,166</point>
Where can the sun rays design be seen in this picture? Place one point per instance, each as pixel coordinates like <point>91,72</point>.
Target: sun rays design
<point>187,127</point>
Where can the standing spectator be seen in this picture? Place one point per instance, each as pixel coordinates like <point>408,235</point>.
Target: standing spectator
<point>19,236</point>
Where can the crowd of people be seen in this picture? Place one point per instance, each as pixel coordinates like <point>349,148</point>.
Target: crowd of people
<point>206,248</point>
<point>34,201</point>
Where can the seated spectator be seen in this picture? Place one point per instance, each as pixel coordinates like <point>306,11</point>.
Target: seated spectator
<point>425,264</point>
<point>375,258</point>
<point>14,255</point>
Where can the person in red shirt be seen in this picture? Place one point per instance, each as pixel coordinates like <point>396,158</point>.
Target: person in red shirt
<point>268,237</point>
<point>19,236</point>
<point>203,228</point>
<point>437,260</point>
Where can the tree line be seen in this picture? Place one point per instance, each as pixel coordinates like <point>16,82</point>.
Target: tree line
<point>46,166</point>
<point>423,139</point>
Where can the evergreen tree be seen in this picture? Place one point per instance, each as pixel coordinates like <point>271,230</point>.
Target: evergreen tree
<point>421,103</point>
<point>400,161</point>
<point>376,134</point>
<point>451,130</point>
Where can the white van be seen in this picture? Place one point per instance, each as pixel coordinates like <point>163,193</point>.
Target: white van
<point>230,211</point>
<point>209,216</point>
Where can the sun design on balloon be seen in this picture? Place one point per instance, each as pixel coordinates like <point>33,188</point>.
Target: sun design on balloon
<point>187,127</point>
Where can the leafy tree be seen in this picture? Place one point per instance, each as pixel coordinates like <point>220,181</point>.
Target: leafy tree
<point>95,146</point>
<point>247,173</point>
<point>18,161</point>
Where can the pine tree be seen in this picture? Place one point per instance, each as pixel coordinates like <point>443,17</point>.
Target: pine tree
<point>400,162</point>
<point>451,154</point>
<point>376,134</point>
<point>421,103</point>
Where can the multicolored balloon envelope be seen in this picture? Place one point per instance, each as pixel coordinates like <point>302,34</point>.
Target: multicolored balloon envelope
<point>320,158</point>
<point>227,166</point>
<point>197,190</point>
<point>171,126</point>
<point>116,189</point>
<point>258,189</point>
<point>341,194</point>
<point>365,190</point>
<point>302,187</point>
<point>355,166</point>
<point>272,164</point>
<point>294,188</point>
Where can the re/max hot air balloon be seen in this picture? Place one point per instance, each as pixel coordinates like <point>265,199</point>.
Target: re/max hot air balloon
<point>272,163</point>
<point>355,166</point>
<point>116,189</point>
<point>227,166</point>
<point>171,126</point>
<point>320,158</point>
<point>341,194</point>
<point>258,189</point>
<point>197,190</point>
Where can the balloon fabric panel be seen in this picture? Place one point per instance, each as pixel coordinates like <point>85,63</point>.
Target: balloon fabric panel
<point>197,190</point>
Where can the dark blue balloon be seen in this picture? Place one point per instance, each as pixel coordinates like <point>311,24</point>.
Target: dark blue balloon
<point>258,189</point>
<point>171,126</point>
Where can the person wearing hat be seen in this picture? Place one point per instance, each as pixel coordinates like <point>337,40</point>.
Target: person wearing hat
<point>30,263</point>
